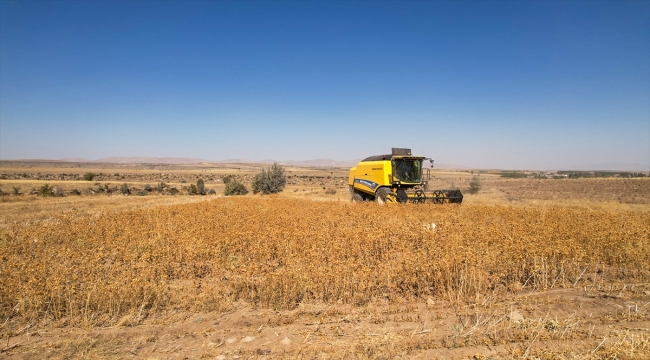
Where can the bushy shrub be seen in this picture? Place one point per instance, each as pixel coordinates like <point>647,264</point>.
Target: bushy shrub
<point>234,187</point>
<point>147,187</point>
<point>212,192</point>
<point>200,187</point>
<point>474,185</point>
<point>16,190</point>
<point>173,190</point>
<point>45,190</point>
<point>89,176</point>
<point>141,193</point>
<point>270,181</point>
<point>192,190</point>
<point>226,179</point>
<point>330,191</point>
<point>124,189</point>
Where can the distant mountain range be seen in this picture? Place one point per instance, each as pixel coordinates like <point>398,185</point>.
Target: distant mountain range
<point>322,163</point>
<point>174,160</point>
<point>314,162</point>
<point>149,160</point>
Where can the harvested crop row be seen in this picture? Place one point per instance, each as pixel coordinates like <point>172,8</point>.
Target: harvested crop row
<point>278,252</point>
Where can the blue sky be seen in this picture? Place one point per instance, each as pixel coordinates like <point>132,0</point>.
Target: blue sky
<point>488,84</point>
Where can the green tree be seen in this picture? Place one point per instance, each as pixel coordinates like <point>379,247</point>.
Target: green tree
<point>200,186</point>
<point>89,176</point>
<point>475,185</point>
<point>234,187</point>
<point>45,190</point>
<point>270,181</point>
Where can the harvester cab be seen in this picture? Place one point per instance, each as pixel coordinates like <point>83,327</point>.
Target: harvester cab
<point>396,178</point>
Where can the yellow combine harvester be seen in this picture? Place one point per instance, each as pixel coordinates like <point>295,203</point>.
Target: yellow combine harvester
<point>396,178</point>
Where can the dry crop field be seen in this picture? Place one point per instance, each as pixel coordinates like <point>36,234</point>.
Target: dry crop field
<point>284,276</point>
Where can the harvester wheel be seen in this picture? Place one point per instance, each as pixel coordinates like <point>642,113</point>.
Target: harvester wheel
<point>356,198</point>
<point>384,195</point>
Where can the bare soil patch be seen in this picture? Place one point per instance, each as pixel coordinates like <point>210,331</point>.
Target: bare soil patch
<point>581,323</point>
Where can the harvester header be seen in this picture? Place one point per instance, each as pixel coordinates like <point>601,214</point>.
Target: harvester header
<point>398,177</point>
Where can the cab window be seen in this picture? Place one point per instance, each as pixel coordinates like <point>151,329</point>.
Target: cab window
<point>408,171</point>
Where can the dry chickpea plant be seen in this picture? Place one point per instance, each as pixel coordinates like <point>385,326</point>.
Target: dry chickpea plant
<point>286,277</point>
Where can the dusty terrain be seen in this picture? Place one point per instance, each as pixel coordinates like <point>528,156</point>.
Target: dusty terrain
<point>563,323</point>
<point>597,305</point>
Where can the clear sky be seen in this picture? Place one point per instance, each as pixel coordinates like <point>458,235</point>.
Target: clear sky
<point>488,84</point>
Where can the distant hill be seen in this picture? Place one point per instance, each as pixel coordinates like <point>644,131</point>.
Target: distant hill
<point>314,162</point>
<point>174,160</point>
<point>149,160</point>
<point>184,160</point>
<point>75,160</point>
<point>317,162</point>
<point>238,161</point>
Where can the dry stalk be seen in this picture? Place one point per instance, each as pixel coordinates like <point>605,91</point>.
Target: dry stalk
<point>601,343</point>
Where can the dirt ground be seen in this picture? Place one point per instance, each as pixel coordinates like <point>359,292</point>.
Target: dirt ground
<point>552,324</point>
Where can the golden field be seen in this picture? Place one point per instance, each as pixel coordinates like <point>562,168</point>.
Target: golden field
<point>304,278</point>
<point>527,268</point>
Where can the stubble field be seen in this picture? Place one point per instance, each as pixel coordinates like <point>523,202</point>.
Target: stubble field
<point>285,276</point>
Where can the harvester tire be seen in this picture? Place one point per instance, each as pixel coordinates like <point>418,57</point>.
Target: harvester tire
<point>356,198</point>
<point>382,193</point>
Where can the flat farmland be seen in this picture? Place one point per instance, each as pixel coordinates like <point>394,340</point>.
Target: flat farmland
<point>510,273</point>
<point>615,193</point>
<point>624,191</point>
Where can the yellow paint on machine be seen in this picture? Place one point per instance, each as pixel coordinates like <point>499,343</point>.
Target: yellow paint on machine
<point>378,172</point>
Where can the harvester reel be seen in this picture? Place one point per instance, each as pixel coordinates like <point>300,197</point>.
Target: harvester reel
<point>438,197</point>
<point>419,197</point>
